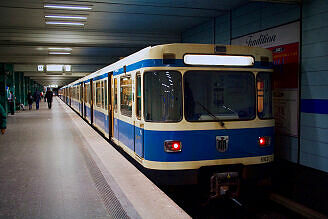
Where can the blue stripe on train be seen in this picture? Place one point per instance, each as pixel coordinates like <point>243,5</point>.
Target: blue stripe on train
<point>196,144</point>
<point>199,144</point>
<point>319,106</point>
<point>172,63</point>
<point>177,63</point>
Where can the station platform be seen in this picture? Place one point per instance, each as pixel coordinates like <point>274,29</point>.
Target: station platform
<point>54,165</point>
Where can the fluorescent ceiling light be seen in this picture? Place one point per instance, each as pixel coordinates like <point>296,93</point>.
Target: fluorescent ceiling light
<point>57,48</point>
<point>64,23</point>
<point>59,53</point>
<point>224,60</point>
<point>65,17</point>
<point>69,7</point>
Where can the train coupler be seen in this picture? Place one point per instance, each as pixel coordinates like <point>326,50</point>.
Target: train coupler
<point>225,184</point>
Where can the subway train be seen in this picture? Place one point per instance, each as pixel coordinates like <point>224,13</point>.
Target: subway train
<point>185,113</point>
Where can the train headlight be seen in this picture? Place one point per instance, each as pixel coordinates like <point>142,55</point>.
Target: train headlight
<point>172,146</point>
<point>264,141</point>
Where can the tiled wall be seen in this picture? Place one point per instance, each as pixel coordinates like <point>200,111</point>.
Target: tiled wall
<point>314,88</point>
<point>257,16</point>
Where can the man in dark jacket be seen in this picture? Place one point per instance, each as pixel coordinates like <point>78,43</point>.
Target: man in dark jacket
<point>49,95</point>
<point>37,98</point>
<point>29,100</point>
<point>3,120</point>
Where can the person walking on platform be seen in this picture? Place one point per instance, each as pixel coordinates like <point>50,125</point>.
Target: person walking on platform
<point>29,100</point>
<point>11,99</point>
<point>37,98</point>
<point>3,120</point>
<point>49,96</point>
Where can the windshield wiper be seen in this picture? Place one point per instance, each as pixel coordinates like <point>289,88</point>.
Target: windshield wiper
<point>211,114</point>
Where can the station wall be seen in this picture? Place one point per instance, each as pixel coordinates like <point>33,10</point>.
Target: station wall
<point>314,85</point>
<point>257,16</point>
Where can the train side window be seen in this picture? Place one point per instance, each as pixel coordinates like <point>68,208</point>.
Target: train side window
<point>126,96</point>
<point>138,97</point>
<point>264,95</point>
<point>115,95</point>
<point>88,93</point>
<point>102,94</point>
<point>98,94</point>
<point>105,94</point>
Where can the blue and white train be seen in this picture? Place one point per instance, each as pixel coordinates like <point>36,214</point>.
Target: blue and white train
<point>181,110</point>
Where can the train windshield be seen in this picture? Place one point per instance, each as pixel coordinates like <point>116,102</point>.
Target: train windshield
<point>219,95</point>
<point>163,96</point>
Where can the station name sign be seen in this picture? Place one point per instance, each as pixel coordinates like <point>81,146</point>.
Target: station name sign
<point>282,35</point>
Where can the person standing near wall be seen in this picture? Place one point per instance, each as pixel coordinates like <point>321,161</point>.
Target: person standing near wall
<point>3,120</point>
<point>29,100</point>
<point>49,96</point>
<point>11,99</point>
<point>37,98</point>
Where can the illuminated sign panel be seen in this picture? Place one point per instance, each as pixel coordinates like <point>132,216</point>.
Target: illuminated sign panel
<point>223,60</point>
<point>54,67</point>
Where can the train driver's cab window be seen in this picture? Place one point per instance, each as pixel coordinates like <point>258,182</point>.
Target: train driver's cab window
<point>115,95</point>
<point>219,95</point>
<point>126,96</point>
<point>98,94</point>
<point>138,96</point>
<point>264,95</point>
<point>162,96</point>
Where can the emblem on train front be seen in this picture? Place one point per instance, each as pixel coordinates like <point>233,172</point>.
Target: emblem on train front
<point>222,143</point>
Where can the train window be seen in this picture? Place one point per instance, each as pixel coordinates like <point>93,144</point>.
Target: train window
<point>115,95</point>
<point>126,96</point>
<point>219,95</point>
<point>264,95</point>
<point>102,95</point>
<point>162,96</point>
<point>138,95</point>
<point>105,94</point>
<point>88,93</point>
<point>98,94</point>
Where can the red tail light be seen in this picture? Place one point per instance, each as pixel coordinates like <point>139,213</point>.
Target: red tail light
<point>264,141</point>
<point>172,146</point>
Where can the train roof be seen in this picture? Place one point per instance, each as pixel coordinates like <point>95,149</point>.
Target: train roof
<point>179,50</point>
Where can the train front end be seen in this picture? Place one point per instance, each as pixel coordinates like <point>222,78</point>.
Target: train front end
<point>208,116</point>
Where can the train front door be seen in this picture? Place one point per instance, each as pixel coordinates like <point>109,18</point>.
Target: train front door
<point>138,125</point>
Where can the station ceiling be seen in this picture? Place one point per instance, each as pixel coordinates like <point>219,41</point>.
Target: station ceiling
<point>106,30</point>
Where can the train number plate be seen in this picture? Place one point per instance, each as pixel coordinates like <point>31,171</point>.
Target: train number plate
<point>267,159</point>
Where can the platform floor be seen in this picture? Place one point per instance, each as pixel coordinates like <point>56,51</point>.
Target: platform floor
<point>43,172</point>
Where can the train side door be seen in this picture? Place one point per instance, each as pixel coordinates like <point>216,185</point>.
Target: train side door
<point>84,99</point>
<point>139,126</point>
<point>81,99</point>
<point>70,96</point>
<point>92,98</point>
<point>110,105</point>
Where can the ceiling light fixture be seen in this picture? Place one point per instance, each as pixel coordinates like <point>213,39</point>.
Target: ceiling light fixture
<point>69,7</point>
<point>57,48</point>
<point>59,53</point>
<point>65,17</point>
<point>65,23</point>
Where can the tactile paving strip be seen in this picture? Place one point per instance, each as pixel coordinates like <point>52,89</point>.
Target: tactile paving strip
<point>113,206</point>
